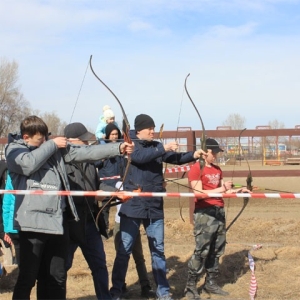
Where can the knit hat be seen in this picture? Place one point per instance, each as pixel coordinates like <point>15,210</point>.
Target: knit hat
<point>213,145</point>
<point>105,107</point>
<point>143,121</point>
<point>78,131</point>
<point>109,128</point>
<point>107,112</point>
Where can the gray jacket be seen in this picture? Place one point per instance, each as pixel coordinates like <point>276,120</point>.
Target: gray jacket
<point>43,168</point>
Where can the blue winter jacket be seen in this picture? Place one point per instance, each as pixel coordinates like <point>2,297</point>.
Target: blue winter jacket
<point>8,207</point>
<point>146,171</point>
<point>100,130</point>
<point>113,166</point>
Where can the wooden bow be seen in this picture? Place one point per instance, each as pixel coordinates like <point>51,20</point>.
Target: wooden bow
<point>126,135</point>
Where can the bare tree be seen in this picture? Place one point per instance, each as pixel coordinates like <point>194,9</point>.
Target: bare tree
<point>275,124</point>
<point>13,106</point>
<point>235,121</point>
<point>55,124</point>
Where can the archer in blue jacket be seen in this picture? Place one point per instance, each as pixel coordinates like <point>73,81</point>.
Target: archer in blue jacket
<point>146,172</point>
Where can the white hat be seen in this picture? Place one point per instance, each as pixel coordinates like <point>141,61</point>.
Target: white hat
<point>105,107</point>
<point>107,112</point>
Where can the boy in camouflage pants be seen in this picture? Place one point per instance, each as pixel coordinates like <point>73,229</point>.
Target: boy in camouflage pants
<point>209,223</point>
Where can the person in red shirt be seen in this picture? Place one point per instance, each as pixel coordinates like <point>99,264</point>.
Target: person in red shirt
<point>209,222</point>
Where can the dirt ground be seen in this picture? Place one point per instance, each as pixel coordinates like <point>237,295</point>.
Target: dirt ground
<point>271,222</point>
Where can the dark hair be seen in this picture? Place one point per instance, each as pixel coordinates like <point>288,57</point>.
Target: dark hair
<point>33,125</point>
<point>111,127</point>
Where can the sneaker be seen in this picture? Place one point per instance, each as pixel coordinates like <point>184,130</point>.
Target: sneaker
<point>119,296</point>
<point>147,292</point>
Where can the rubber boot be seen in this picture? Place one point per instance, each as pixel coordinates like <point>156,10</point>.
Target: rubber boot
<point>211,286</point>
<point>190,291</point>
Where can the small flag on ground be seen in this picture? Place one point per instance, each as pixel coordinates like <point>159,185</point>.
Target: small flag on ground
<point>253,282</point>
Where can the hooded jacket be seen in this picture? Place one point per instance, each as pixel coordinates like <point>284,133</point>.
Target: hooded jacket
<point>146,172</point>
<point>43,168</point>
<point>112,166</point>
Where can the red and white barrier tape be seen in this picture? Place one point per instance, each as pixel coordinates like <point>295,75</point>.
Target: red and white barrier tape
<point>112,177</point>
<point>253,282</point>
<point>177,169</point>
<point>150,194</point>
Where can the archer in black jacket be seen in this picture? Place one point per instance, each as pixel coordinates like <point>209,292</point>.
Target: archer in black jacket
<point>146,172</point>
<point>84,233</point>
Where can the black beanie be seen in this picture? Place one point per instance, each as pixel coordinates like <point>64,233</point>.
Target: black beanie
<point>143,121</point>
<point>109,128</point>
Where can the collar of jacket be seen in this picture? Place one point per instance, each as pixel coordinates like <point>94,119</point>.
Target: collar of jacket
<point>135,139</point>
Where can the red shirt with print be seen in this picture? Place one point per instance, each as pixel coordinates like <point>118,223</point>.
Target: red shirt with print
<point>211,179</point>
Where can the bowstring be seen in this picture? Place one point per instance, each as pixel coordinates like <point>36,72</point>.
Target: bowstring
<point>176,137</point>
<point>83,174</point>
<point>79,92</point>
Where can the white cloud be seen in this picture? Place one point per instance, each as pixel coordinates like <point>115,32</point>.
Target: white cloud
<point>63,15</point>
<point>223,31</point>
<point>236,52</point>
<point>140,26</point>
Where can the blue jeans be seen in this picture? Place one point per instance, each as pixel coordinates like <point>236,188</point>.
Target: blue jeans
<point>138,256</point>
<point>93,252</point>
<point>129,228</point>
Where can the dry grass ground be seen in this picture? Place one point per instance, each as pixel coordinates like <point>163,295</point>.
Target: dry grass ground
<point>273,223</point>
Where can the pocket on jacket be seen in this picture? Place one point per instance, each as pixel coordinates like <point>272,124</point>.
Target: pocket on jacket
<point>46,204</point>
<point>43,203</point>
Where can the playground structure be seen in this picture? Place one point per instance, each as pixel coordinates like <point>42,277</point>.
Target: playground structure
<point>270,146</point>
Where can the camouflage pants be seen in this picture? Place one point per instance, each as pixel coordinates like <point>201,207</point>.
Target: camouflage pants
<point>210,238</point>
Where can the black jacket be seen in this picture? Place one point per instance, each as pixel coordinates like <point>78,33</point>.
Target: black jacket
<point>83,177</point>
<point>146,171</point>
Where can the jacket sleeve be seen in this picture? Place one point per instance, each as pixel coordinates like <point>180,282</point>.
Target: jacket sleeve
<point>24,161</point>
<point>90,153</point>
<point>105,187</point>
<point>178,158</point>
<point>142,155</point>
<point>8,205</point>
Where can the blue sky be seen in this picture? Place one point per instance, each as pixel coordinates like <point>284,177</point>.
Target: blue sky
<point>242,56</point>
